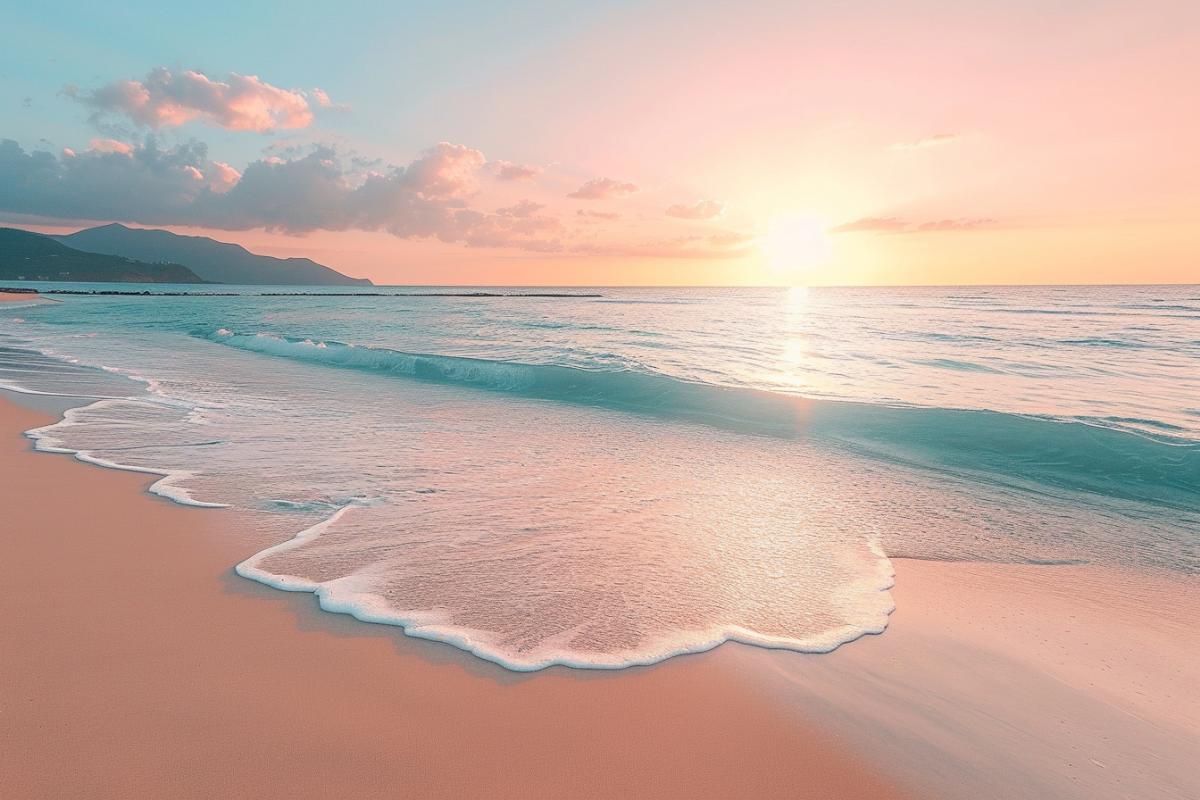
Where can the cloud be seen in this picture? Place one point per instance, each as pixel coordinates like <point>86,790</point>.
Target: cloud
<point>898,225</point>
<point>721,244</point>
<point>928,141</point>
<point>110,146</point>
<point>587,215</point>
<point>882,224</point>
<point>142,184</point>
<point>445,170</point>
<point>183,186</point>
<point>704,209</point>
<point>603,188</point>
<point>167,99</point>
<point>509,171</point>
<point>324,101</point>
<point>524,208</point>
<point>222,177</point>
<point>962,224</point>
<point>477,229</point>
<point>431,197</point>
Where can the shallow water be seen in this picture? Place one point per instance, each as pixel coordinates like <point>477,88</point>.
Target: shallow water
<point>608,481</point>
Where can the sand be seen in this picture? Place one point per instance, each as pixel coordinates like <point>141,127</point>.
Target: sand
<point>13,297</point>
<point>133,662</point>
<point>136,664</point>
<point>999,681</point>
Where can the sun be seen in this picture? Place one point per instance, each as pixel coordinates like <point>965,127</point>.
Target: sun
<point>795,244</point>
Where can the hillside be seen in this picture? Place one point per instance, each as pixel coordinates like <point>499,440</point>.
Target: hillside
<point>25,255</point>
<point>214,261</point>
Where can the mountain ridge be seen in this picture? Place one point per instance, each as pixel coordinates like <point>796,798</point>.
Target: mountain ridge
<point>212,260</point>
<point>27,255</point>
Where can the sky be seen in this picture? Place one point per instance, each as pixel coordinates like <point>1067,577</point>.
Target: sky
<point>655,143</point>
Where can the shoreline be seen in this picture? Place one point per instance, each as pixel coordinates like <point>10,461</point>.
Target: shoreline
<point>991,681</point>
<point>143,666</point>
<point>8,295</point>
<point>9,292</point>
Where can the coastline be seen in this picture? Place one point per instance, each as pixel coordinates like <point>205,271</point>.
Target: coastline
<point>142,666</point>
<point>9,296</point>
<point>992,680</point>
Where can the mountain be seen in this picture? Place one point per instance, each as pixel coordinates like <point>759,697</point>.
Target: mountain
<point>211,260</point>
<point>25,255</point>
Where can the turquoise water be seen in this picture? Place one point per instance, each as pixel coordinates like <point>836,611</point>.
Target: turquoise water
<point>603,481</point>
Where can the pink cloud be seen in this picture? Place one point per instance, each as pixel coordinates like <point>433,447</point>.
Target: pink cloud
<point>878,224</point>
<point>221,177</point>
<point>603,188</point>
<point>591,216</point>
<point>704,209</point>
<point>898,225</point>
<point>962,224</point>
<point>477,229</point>
<point>110,146</point>
<point>927,141</point>
<point>324,101</point>
<point>445,170</point>
<point>523,209</point>
<point>510,171</point>
<point>721,244</point>
<point>429,198</point>
<point>167,99</point>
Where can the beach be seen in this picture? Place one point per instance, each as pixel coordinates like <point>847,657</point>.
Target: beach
<point>139,664</point>
<point>626,402</point>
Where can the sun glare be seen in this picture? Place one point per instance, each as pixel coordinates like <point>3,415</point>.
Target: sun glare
<point>795,244</point>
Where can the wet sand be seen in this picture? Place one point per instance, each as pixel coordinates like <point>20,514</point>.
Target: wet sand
<point>136,664</point>
<point>999,681</point>
<point>13,297</point>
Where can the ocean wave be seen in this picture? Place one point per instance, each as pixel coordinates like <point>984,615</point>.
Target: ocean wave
<point>961,366</point>
<point>1102,457</point>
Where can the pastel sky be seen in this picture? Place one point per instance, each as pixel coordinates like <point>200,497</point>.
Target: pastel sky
<point>1012,141</point>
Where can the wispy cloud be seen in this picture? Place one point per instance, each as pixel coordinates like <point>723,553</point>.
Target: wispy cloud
<point>602,189</point>
<point>936,140</point>
<point>588,215</point>
<point>703,209</point>
<point>878,224</point>
<point>961,224</point>
<point>510,171</point>
<point>522,209</point>
<point>167,99</point>
<point>324,101</point>
<point>898,225</point>
<point>718,245</point>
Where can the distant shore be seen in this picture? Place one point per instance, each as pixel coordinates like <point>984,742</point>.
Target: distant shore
<point>206,293</point>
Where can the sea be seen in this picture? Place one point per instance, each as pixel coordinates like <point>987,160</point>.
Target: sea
<point>602,478</point>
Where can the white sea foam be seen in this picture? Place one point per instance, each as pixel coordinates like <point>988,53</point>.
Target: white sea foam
<point>50,439</point>
<point>356,595</point>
